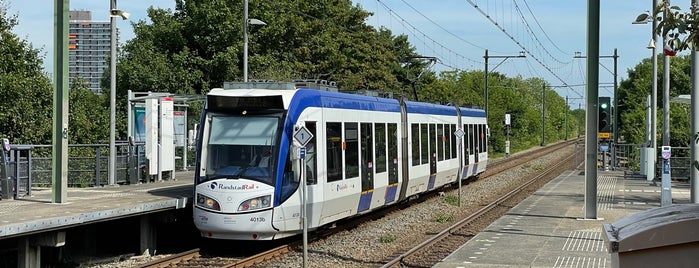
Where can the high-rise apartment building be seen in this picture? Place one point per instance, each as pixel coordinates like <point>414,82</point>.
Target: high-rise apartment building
<point>89,48</point>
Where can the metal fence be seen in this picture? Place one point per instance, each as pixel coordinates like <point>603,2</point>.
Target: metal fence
<point>88,165</point>
<point>628,158</point>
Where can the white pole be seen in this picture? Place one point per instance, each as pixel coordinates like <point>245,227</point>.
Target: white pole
<point>303,205</point>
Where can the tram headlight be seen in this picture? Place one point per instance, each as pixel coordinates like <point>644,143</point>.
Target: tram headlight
<point>207,202</point>
<point>256,203</point>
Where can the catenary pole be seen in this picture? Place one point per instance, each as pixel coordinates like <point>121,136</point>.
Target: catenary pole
<point>593,11</point>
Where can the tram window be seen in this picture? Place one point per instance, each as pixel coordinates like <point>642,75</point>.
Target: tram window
<point>471,140</point>
<point>424,144</point>
<point>415,134</point>
<point>333,133</point>
<point>367,157</point>
<point>452,141</point>
<point>351,151</point>
<point>380,130</point>
<point>447,142</point>
<point>466,144</point>
<point>478,138</point>
<point>440,142</point>
<point>311,160</point>
<point>484,136</point>
<point>392,153</point>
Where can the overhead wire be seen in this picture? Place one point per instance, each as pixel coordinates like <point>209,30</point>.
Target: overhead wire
<point>534,36</point>
<point>517,42</point>
<point>542,29</point>
<point>405,22</point>
<point>440,26</point>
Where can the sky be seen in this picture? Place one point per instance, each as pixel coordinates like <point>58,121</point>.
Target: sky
<point>457,32</point>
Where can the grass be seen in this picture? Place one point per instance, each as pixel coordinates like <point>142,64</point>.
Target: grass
<point>389,238</point>
<point>451,200</point>
<point>444,218</point>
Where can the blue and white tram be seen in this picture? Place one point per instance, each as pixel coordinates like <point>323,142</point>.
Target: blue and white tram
<point>366,152</point>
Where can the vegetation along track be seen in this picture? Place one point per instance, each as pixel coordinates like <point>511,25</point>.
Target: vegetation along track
<point>394,236</point>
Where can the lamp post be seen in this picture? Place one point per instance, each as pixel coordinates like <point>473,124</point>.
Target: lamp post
<point>247,22</point>
<point>666,184</point>
<point>485,88</point>
<point>645,18</point>
<point>113,14</point>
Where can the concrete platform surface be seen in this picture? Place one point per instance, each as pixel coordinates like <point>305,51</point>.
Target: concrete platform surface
<point>548,229</point>
<point>37,213</point>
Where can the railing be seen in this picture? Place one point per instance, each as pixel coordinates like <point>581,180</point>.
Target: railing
<point>629,159</point>
<point>88,165</point>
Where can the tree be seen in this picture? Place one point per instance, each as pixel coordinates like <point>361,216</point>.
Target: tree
<point>633,92</point>
<point>26,103</point>
<point>88,117</point>
<point>199,46</point>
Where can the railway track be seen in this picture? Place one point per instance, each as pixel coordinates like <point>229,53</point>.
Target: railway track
<point>194,258</point>
<point>426,254</point>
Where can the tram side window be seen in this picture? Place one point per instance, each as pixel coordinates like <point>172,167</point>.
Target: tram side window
<point>424,144</point>
<point>471,140</point>
<point>311,160</point>
<point>333,133</point>
<point>479,134</point>
<point>452,141</point>
<point>484,139</point>
<point>392,153</point>
<point>367,157</point>
<point>351,151</point>
<point>447,142</point>
<point>380,130</point>
<point>415,134</point>
<point>466,144</point>
<point>440,142</point>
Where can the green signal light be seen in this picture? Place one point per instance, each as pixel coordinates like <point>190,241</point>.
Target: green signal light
<point>604,106</point>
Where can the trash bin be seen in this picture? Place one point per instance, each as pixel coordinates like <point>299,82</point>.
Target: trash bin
<point>661,237</point>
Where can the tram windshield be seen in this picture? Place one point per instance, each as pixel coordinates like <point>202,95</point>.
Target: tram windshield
<point>241,147</point>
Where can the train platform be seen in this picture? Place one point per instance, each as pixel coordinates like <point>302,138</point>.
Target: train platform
<point>548,229</point>
<point>37,213</point>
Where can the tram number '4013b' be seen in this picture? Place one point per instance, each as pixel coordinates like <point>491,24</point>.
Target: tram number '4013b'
<point>257,219</point>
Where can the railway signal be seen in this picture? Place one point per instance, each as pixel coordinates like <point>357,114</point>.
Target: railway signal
<point>604,127</point>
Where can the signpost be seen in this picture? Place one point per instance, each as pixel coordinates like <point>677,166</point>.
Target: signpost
<point>459,133</point>
<point>303,136</point>
<point>507,131</point>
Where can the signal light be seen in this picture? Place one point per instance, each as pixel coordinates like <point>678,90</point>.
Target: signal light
<point>603,125</point>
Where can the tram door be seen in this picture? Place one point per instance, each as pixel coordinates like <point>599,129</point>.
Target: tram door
<point>476,141</point>
<point>367,166</point>
<point>433,156</point>
<point>392,143</point>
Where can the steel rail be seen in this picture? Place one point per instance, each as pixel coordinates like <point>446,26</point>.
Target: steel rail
<point>172,260</point>
<point>441,235</point>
